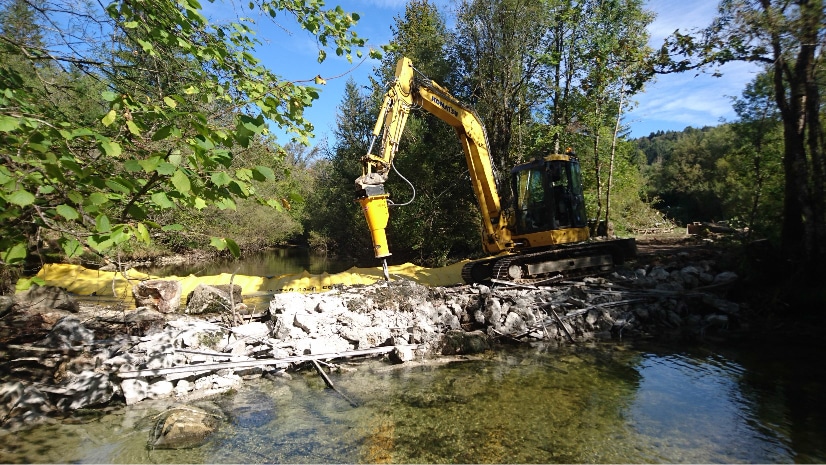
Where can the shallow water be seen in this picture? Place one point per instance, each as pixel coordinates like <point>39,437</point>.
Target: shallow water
<point>270,263</point>
<point>527,404</point>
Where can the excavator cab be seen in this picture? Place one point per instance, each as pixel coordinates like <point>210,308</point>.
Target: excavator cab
<point>547,195</point>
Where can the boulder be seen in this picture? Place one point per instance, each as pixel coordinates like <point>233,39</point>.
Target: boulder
<point>158,294</point>
<point>213,299</point>
<point>68,332</point>
<point>83,390</point>
<point>182,427</point>
<point>46,298</point>
<point>462,343</point>
<point>134,390</point>
<point>21,404</point>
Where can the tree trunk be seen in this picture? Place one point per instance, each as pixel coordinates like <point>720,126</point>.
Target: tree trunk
<point>613,155</point>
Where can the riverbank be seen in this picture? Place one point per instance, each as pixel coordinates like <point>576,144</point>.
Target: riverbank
<point>64,357</point>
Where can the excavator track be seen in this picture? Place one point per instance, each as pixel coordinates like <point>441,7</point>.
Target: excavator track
<point>548,266</point>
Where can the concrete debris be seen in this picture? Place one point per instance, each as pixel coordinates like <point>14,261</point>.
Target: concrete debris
<point>155,353</point>
<point>160,295</point>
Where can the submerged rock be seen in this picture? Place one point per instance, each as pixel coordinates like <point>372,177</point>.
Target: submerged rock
<point>183,427</point>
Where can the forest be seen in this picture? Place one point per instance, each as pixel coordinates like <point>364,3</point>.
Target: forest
<point>140,128</point>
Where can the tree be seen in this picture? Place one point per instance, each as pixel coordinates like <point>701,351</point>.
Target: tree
<point>500,53</point>
<point>97,182</point>
<point>442,220</point>
<point>756,164</point>
<point>615,55</point>
<point>336,222</point>
<point>787,36</point>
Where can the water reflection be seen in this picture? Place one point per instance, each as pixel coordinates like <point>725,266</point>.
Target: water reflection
<point>270,263</point>
<point>527,404</point>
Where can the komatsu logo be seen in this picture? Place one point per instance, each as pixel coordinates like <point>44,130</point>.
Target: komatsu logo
<point>444,106</point>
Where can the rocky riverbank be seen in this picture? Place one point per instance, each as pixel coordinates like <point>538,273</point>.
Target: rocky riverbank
<point>60,357</point>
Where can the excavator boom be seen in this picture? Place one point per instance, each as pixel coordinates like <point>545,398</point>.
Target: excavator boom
<point>542,232</point>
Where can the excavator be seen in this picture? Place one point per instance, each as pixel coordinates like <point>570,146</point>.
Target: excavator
<point>541,235</point>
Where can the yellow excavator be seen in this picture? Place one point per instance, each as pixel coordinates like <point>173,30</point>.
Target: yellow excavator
<point>541,235</point>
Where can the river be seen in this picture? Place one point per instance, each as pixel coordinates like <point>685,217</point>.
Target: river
<point>271,263</point>
<point>597,403</point>
<point>617,402</point>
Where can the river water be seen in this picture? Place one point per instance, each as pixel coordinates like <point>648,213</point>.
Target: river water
<point>270,263</point>
<point>534,403</point>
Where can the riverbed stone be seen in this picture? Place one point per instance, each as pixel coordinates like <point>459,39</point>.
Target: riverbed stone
<point>134,390</point>
<point>251,331</point>
<point>402,354</point>
<point>464,343</point>
<point>162,295</point>
<point>84,389</point>
<point>182,427</point>
<point>161,389</point>
<point>67,333</point>
<point>22,404</point>
<point>207,298</point>
<point>46,298</point>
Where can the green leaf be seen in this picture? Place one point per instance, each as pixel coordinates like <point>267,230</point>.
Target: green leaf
<point>100,243</point>
<point>96,198</point>
<point>109,118</point>
<point>233,248</point>
<point>172,227</point>
<point>150,164</point>
<point>160,199</point>
<point>220,178</point>
<point>24,284</point>
<point>112,149</point>
<point>142,234</point>
<point>67,212</point>
<point>163,132</point>
<point>102,223</point>
<point>133,128</point>
<point>170,102</point>
<point>8,123</point>
<point>118,185</point>
<point>166,168</point>
<point>218,242</point>
<point>71,247</point>
<point>21,197</point>
<point>132,166</point>
<point>15,254</point>
<point>181,182</point>
<point>263,173</point>
<point>109,96</point>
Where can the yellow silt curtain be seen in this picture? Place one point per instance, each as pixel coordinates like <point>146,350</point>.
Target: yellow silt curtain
<point>87,282</point>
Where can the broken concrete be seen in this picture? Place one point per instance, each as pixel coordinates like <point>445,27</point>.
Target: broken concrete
<point>129,356</point>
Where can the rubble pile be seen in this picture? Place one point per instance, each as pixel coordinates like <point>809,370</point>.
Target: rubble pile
<point>89,359</point>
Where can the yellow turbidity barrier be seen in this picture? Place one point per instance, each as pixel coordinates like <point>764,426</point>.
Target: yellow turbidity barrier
<point>83,281</point>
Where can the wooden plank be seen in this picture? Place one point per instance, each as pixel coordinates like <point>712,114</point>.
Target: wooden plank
<point>252,363</point>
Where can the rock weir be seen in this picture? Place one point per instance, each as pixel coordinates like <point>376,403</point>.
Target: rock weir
<point>94,358</point>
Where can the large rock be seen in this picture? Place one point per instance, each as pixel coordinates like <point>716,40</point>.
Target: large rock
<point>83,390</point>
<point>462,343</point>
<point>213,299</point>
<point>68,332</point>
<point>158,294</point>
<point>46,298</point>
<point>21,404</point>
<point>183,427</point>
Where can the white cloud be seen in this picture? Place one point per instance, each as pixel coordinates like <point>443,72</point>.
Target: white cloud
<point>675,101</point>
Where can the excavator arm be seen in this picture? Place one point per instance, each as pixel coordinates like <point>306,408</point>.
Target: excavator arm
<point>406,92</point>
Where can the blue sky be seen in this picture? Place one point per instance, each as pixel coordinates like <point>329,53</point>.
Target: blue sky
<point>671,102</point>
